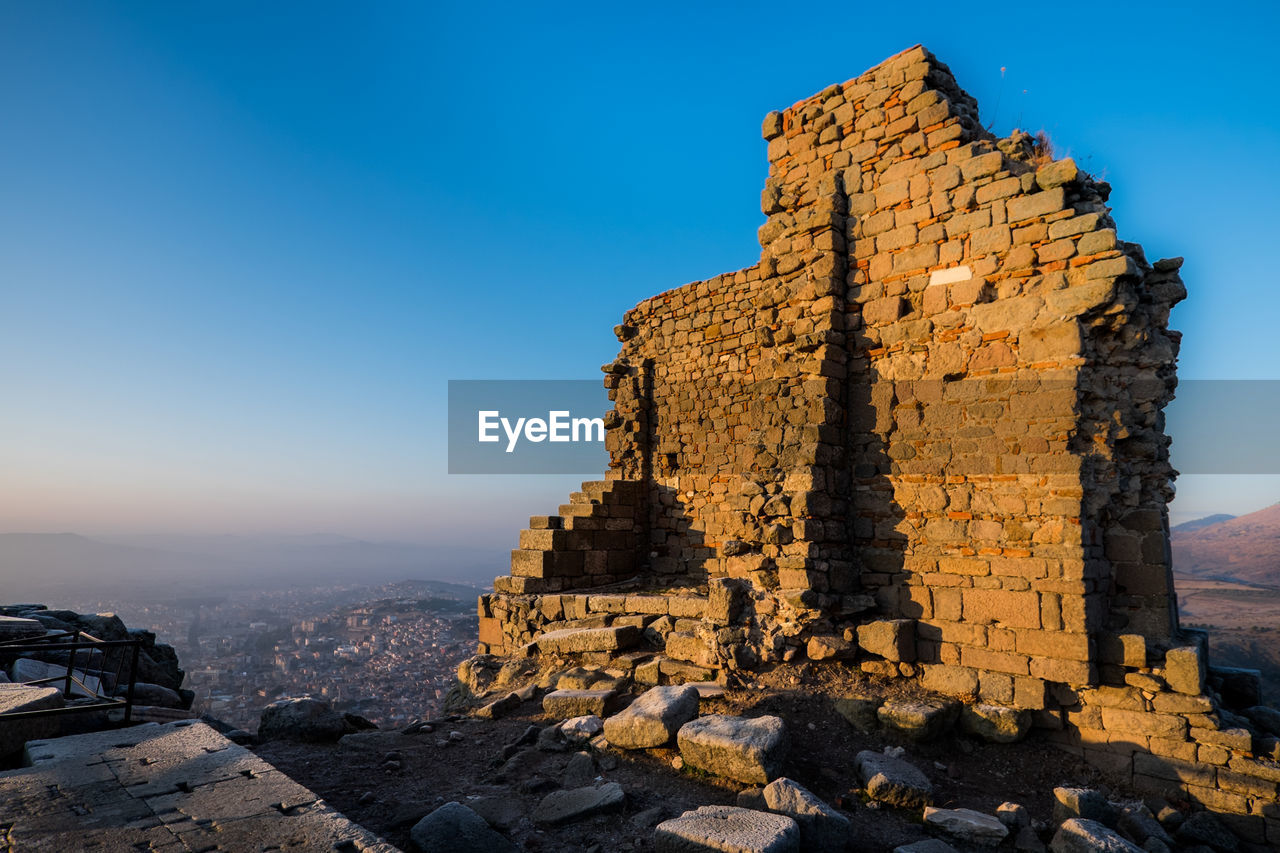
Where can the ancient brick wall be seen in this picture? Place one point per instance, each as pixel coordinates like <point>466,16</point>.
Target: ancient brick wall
<point>924,432</point>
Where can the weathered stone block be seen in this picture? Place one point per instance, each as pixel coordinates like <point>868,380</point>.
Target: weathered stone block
<point>822,828</point>
<point>891,639</point>
<point>923,719</point>
<point>727,829</point>
<point>995,723</point>
<point>892,780</point>
<point>654,718</point>
<point>579,640</point>
<point>1185,669</point>
<point>972,827</point>
<point>566,704</point>
<point>1078,835</point>
<point>747,750</point>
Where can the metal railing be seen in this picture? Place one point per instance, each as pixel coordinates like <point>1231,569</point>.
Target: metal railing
<point>95,684</point>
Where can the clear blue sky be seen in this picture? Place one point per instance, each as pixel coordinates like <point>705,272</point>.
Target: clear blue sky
<point>243,245</point>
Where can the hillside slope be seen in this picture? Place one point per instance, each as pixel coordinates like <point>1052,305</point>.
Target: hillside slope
<point>1244,549</point>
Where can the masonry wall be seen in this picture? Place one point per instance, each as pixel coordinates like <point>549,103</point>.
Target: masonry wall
<point>942,349</point>
<point>933,406</point>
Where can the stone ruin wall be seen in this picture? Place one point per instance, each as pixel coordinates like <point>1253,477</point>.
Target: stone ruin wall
<point>923,434</point>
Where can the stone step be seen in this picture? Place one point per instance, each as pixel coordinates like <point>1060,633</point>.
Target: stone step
<point>514,585</point>
<point>566,704</point>
<point>587,510</point>
<point>545,522</point>
<point>577,640</point>
<point>548,539</point>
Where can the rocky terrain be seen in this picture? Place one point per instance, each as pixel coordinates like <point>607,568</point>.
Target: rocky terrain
<point>555,753</point>
<point>805,758</point>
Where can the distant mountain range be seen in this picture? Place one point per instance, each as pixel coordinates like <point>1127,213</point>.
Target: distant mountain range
<point>1244,548</point>
<point>46,565</point>
<point>1207,521</point>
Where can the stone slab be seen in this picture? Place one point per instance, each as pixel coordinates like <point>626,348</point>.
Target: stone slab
<point>727,829</point>
<point>967,825</point>
<point>578,640</point>
<point>572,804</point>
<point>565,704</point>
<point>20,628</point>
<point>175,786</point>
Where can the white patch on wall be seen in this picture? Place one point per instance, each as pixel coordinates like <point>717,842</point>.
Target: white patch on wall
<point>950,276</point>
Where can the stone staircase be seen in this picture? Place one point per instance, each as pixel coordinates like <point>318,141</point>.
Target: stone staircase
<point>592,541</point>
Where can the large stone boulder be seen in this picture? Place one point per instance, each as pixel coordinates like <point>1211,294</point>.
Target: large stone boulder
<point>967,825</point>
<point>739,748</point>
<point>727,829</point>
<point>822,828</point>
<point>654,718</point>
<point>892,780</point>
<point>1080,835</point>
<point>304,719</point>
<point>566,806</point>
<point>457,829</point>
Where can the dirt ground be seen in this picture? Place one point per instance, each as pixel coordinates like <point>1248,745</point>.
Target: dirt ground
<point>387,797</point>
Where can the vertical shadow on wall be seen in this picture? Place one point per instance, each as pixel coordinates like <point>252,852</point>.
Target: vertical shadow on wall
<point>671,550</point>
<point>875,542</point>
<point>677,551</point>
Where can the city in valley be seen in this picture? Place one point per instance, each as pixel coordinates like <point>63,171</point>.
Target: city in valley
<point>387,653</point>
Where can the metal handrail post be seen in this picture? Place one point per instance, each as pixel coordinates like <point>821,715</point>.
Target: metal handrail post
<point>133,679</point>
<point>71,663</point>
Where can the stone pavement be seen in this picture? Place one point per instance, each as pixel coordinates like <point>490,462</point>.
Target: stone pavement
<point>175,787</point>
